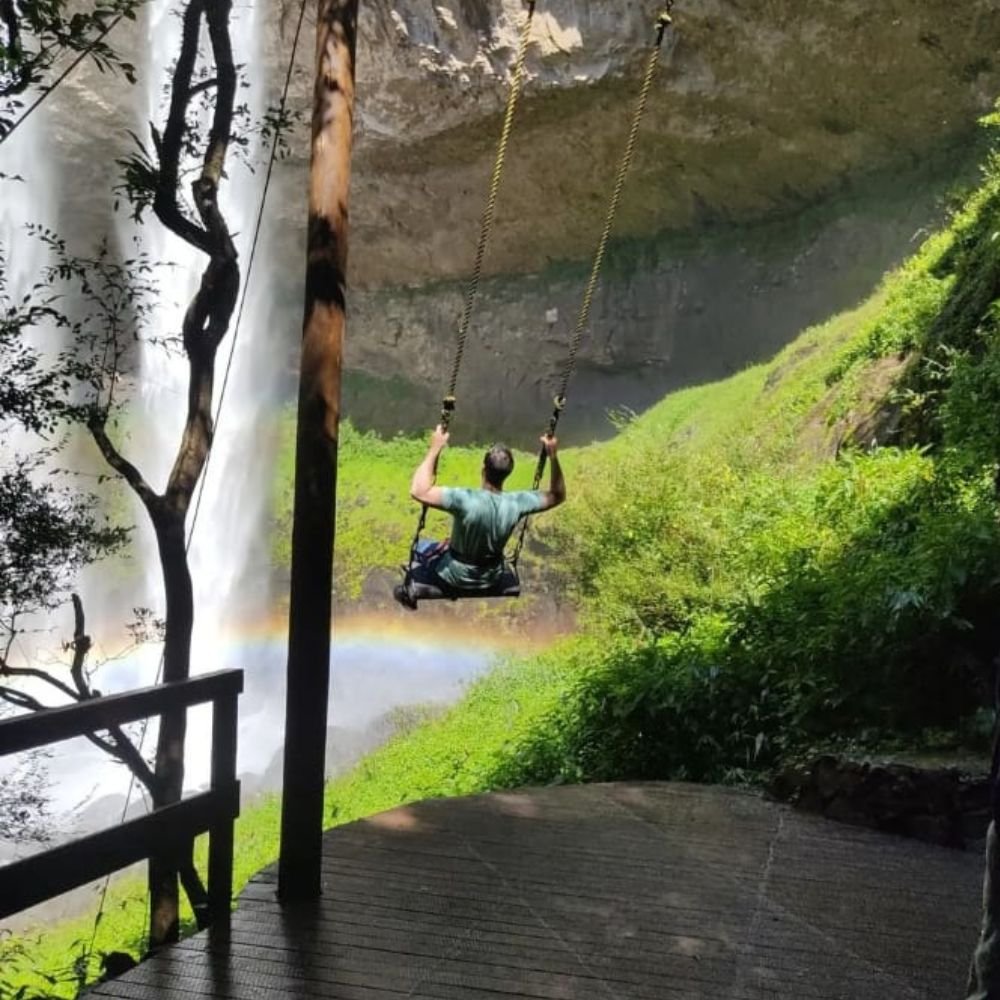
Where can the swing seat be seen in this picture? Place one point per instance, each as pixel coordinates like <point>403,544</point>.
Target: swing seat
<point>411,591</point>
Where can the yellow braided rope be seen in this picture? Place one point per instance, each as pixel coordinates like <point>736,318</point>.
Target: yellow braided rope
<point>662,23</point>
<point>489,213</point>
<point>588,296</point>
<point>485,230</point>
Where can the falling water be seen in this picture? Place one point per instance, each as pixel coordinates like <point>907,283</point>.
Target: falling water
<point>230,538</point>
<point>230,557</point>
<point>227,531</point>
<point>228,521</point>
<point>24,155</point>
<point>26,161</point>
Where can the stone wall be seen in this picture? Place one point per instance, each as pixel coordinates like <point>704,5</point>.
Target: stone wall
<point>938,804</point>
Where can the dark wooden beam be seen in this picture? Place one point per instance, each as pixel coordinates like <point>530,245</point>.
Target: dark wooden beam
<point>316,453</point>
<point>225,723</point>
<point>36,729</point>
<point>42,876</point>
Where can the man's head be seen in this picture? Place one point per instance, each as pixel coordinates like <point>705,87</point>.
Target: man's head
<point>497,466</point>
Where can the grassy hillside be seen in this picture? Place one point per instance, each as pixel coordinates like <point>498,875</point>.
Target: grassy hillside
<point>807,553</point>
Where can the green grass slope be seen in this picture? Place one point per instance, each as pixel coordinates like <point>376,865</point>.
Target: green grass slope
<point>804,554</point>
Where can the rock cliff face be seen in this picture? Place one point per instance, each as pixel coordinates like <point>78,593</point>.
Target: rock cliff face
<point>759,112</point>
<point>669,312</point>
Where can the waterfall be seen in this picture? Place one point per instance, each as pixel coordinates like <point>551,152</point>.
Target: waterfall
<point>26,161</point>
<point>24,155</point>
<point>229,542</point>
<point>230,554</point>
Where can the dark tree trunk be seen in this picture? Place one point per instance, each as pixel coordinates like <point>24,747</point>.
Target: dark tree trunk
<point>316,453</point>
<point>205,324</point>
<point>169,768</point>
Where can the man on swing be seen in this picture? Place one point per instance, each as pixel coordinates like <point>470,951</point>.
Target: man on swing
<point>483,519</point>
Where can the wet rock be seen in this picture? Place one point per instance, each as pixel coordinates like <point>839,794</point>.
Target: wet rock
<point>939,805</point>
<point>751,117</point>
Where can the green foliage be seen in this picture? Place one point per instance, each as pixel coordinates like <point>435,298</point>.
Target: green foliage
<point>35,33</point>
<point>48,529</point>
<point>466,749</point>
<point>47,534</point>
<point>861,624</point>
<point>668,708</point>
<point>24,803</point>
<point>968,410</point>
<point>752,584</point>
<point>914,296</point>
<point>943,300</point>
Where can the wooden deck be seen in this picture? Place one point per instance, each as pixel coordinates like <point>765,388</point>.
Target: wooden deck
<point>599,892</point>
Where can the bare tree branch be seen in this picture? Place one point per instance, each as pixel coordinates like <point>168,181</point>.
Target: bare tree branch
<point>6,670</point>
<point>171,143</point>
<point>124,749</point>
<point>205,324</point>
<point>207,317</point>
<point>20,699</point>
<point>81,646</point>
<point>123,466</point>
<point>9,626</point>
<point>200,88</point>
<point>217,15</point>
<point>117,744</point>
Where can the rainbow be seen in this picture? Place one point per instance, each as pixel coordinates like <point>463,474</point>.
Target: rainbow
<point>419,632</point>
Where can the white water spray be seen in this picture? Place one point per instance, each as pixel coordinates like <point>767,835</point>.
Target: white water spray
<point>25,198</point>
<point>228,550</point>
<point>230,557</point>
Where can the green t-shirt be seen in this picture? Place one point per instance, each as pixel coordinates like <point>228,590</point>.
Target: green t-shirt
<point>483,521</point>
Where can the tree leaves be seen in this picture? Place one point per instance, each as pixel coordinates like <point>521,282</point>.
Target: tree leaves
<point>24,801</point>
<point>35,33</point>
<point>47,533</point>
<point>49,529</point>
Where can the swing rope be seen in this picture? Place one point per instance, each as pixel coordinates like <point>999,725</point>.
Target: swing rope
<point>485,232</point>
<point>489,214</point>
<point>663,21</point>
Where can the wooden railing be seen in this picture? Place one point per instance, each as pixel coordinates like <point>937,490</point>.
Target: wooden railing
<point>162,832</point>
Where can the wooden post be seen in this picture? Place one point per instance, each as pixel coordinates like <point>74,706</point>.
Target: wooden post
<point>316,454</point>
<point>225,724</point>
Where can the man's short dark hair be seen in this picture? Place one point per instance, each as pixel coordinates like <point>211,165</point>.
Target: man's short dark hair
<point>498,464</point>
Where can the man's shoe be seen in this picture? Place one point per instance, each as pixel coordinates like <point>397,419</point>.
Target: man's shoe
<point>402,594</point>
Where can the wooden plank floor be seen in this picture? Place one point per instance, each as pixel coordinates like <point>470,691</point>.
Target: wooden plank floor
<point>596,892</point>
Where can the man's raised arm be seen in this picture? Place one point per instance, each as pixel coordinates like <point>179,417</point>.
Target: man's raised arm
<point>422,487</point>
<point>556,493</point>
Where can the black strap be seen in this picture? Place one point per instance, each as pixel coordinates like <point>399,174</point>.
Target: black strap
<point>477,562</point>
